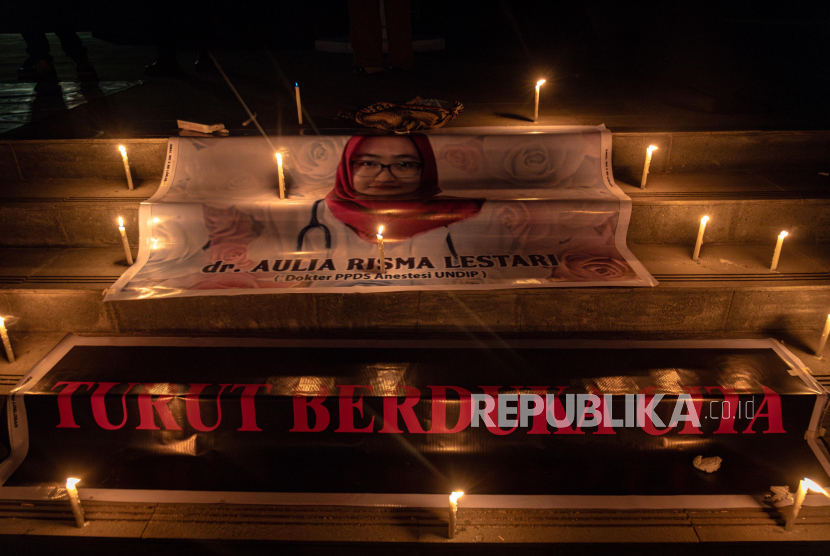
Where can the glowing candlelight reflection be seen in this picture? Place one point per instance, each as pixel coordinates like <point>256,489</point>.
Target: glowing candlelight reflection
<point>381,257</point>
<point>281,176</point>
<point>536,110</point>
<point>777,253</point>
<point>649,151</point>
<point>803,486</point>
<point>75,501</point>
<point>823,341</point>
<point>4,336</point>
<point>699,241</point>
<point>453,511</point>
<point>126,162</point>
<point>124,241</point>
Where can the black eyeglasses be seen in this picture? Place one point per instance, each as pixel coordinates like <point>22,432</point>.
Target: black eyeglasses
<point>400,170</point>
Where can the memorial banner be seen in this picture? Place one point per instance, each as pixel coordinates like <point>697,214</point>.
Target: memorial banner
<point>427,417</point>
<point>517,210</point>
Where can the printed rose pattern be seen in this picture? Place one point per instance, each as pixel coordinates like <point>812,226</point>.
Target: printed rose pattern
<point>593,266</point>
<point>466,156</point>
<point>543,161</point>
<point>230,231</point>
<point>316,160</point>
<point>234,253</point>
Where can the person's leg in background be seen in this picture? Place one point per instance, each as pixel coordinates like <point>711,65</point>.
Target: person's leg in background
<point>38,64</point>
<point>67,17</point>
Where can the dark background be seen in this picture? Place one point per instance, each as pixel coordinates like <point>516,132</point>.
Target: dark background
<point>740,57</point>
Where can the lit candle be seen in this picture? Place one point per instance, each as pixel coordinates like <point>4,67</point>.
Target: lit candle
<point>777,252</point>
<point>75,501</point>
<point>4,335</point>
<point>124,241</point>
<point>453,511</point>
<point>299,104</point>
<point>536,111</point>
<point>804,485</point>
<point>699,241</point>
<point>281,176</point>
<point>824,336</point>
<point>126,166</point>
<point>651,149</point>
<point>381,259</point>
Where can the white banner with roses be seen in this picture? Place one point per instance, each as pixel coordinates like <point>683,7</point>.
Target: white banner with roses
<point>459,210</point>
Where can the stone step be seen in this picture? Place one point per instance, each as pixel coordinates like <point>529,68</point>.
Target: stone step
<point>161,528</point>
<point>678,153</point>
<point>31,347</point>
<point>743,207</point>
<point>730,290</point>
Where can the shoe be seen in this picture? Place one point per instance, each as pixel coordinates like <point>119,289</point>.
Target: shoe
<point>37,68</point>
<point>86,72</point>
<point>163,68</point>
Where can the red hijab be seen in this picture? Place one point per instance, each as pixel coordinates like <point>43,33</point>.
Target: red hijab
<point>402,218</point>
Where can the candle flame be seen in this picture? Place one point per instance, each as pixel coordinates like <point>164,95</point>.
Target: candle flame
<point>3,320</point>
<point>120,222</point>
<point>704,220</point>
<point>279,158</point>
<point>455,496</point>
<point>651,149</point>
<point>122,149</point>
<point>782,235</point>
<point>814,487</point>
<point>540,83</point>
<point>380,231</point>
<point>70,483</point>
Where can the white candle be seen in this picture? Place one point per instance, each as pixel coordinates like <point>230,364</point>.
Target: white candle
<point>699,241</point>
<point>777,252</point>
<point>124,241</point>
<point>651,149</point>
<point>536,110</point>
<point>824,336</point>
<point>4,335</point>
<point>75,501</point>
<point>804,485</point>
<point>126,166</point>
<point>299,104</point>
<point>281,176</point>
<point>381,259</point>
<point>453,511</point>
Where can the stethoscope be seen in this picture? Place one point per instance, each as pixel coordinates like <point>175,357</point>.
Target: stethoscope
<point>315,223</point>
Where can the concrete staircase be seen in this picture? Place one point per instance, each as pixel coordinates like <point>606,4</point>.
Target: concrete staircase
<point>60,248</point>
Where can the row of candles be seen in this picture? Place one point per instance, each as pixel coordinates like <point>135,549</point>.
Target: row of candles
<point>280,172</point>
<point>804,486</point>
<point>776,254</point>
